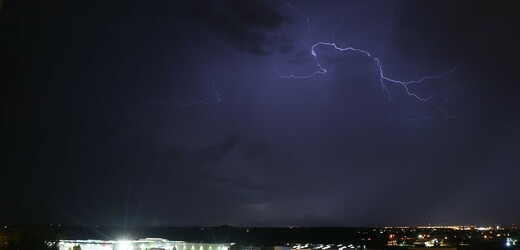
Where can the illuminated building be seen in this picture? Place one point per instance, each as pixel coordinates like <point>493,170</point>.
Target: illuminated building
<point>142,244</point>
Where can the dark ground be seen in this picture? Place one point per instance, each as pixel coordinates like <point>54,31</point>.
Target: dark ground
<point>31,237</point>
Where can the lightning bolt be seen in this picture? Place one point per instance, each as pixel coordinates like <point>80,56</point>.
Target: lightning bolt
<point>307,20</point>
<point>214,98</point>
<point>383,78</point>
<point>342,20</point>
<point>441,108</point>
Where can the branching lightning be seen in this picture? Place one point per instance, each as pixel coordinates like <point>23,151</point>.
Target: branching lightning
<point>214,98</point>
<point>342,20</point>
<point>307,20</point>
<point>441,108</point>
<point>383,78</point>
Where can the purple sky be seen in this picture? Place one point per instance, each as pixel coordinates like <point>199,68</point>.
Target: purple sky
<point>175,113</point>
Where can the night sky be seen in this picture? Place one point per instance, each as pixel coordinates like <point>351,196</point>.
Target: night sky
<point>166,113</point>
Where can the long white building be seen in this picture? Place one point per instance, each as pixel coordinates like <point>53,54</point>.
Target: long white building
<point>143,244</point>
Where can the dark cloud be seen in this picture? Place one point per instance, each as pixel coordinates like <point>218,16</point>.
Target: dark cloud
<point>79,144</point>
<point>481,35</point>
<point>236,181</point>
<point>212,154</point>
<point>248,24</point>
<point>257,149</point>
<point>301,57</point>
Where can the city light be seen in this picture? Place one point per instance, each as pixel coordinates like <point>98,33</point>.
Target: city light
<point>124,245</point>
<point>141,244</point>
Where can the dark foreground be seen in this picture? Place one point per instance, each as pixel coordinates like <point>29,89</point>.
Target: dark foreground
<point>43,237</point>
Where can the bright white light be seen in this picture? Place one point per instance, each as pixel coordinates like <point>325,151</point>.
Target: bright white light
<point>510,242</point>
<point>125,245</point>
<point>141,244</point>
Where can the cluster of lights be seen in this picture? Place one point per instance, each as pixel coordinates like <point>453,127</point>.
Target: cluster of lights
<point>124,245</point>
<point>143,244</point>
<point>325,247</point>
<point>511,242</point>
